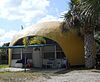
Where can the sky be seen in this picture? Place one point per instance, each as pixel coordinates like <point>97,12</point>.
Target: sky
<point>14,13</point>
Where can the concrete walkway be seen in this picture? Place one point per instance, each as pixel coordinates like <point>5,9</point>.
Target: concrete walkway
<point>12,69</point>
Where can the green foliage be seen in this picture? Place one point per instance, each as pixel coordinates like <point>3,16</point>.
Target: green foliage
<point>4,66</point>
<point>98,43</point>
<point>91,8</point>
<point>97,38</point>
<point>33,40</point>
<point>4,55</point>
<point>2,52</point>
<point>37,40</point>
<point>84,14</point>
<point>25,41</point>
<point>90,14</point>
<point>72,17</point>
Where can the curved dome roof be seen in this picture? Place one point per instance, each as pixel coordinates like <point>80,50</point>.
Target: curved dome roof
<point>71,43</point>
<point>46,29</point>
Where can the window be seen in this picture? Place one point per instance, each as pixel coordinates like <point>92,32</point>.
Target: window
<point>60,55</point>
<point>28,55</point>
<point>49,55</point>
<point>16,56</point>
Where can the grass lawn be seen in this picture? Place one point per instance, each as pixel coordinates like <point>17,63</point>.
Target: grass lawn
<point>28,76</point>
<point>18,76</point>
<point>4,66</point>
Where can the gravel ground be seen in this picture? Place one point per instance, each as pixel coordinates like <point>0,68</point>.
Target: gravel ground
<point>77,76</point>
<point>91,75</point>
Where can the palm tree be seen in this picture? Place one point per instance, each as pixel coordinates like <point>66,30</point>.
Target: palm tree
<point>72,17</point>
<point>91,15</point>
<point>85,14</point>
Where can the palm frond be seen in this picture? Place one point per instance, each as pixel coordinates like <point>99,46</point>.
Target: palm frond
<point>90,8</point>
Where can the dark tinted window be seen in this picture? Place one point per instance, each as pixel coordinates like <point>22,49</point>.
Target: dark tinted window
<point>16,56</point>
<point>28,55</point>
<point>60,55</point>
<point>49,55</point>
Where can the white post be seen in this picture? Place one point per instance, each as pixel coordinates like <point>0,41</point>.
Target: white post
<point>42,55</point>
<point>55,52</point>
<point>21,52</point>
<point>33,57</point>
<point>55,56</point>
<point>25,62</point>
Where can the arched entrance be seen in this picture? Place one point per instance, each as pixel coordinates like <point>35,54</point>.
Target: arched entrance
<point>50,55</point>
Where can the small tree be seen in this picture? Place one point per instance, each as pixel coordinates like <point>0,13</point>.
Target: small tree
<point>37,40</point>
<point>3,55</point>
<point>25,41</point>
<point>33,40</point>
<point>2,52</point>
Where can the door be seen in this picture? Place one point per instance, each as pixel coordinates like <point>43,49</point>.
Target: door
<point>37,57</point>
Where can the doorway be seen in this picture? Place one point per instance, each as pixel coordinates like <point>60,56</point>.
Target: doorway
<point>37,57</point>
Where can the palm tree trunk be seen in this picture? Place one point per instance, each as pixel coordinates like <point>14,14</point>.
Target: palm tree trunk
<point>89,49</point>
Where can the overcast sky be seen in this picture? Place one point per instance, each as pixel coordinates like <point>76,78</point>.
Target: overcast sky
<point>14,13</point>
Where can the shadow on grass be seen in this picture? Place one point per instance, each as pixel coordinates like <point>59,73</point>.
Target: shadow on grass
<point>63,71</point>
<point>97,70</point>
<point>71,69</point>
<point>59,71</point>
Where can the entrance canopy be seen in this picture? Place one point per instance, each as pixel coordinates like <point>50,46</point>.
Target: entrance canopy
<point>29,46</point>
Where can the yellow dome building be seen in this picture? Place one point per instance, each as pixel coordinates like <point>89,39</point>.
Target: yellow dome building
<point>71,43</point>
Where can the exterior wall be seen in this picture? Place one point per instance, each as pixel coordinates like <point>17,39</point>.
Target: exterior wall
<point>15,51</point>
<point>37,56</point>
<point>73,47</point>
<point>71,43</point>
<point>17,54</point>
